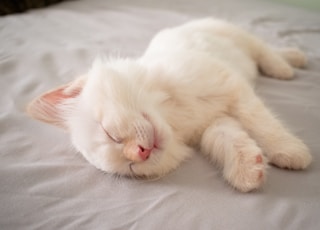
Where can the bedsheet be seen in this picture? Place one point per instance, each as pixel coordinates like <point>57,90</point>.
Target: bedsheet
<point>45,184</point>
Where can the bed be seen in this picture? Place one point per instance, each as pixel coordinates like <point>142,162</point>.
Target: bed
<point>46,184</point>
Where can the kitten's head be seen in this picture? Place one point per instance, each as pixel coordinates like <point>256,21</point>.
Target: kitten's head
<point>114,120</point>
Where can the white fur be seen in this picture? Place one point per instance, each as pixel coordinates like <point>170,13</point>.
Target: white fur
<point>191,88</point>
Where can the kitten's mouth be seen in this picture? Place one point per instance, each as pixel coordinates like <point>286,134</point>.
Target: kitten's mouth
<point>133,174</point>
<point>142,177</point>
<point>131,169</point>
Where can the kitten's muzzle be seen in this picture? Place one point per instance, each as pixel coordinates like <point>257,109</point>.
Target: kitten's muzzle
<point>137,153</point>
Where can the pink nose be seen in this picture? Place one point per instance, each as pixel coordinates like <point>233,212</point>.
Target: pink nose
<point>144,153</point>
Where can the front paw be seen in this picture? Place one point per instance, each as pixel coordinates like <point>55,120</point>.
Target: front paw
<point>247,172</point>
<point>292,154</point>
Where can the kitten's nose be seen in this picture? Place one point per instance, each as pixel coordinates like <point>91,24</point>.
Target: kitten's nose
<point>144,153</point>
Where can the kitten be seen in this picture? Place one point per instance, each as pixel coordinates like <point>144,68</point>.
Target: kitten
<point>192,88</point>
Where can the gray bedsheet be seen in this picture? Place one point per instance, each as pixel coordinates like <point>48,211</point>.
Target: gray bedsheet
<point>45,184</point>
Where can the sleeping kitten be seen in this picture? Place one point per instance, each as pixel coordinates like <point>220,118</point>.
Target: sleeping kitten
<point>191,88</point>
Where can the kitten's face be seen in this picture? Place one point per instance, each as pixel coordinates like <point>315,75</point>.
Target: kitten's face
<point>116,124</point>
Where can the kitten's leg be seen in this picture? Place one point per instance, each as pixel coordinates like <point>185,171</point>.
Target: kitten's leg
<point>270,62</point>
<point>281,147</point>
<point>294,57</point>
<point>230,147</point>
<point>278,63</point>
<point>274,63</point>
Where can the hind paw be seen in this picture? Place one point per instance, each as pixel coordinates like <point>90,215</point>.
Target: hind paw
<point>295,57</point>
<point>282,72</point>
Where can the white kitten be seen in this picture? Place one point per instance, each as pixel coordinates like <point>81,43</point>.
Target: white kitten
<point>191,88</point>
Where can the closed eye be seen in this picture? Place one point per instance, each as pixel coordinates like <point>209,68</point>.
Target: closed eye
<point>114,139</point>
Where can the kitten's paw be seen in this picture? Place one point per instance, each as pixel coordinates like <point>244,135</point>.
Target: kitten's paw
<point>247,172</point>
<point>274,65</point>
<point>294,56</point>
<point>294,156</point>
<point>282,71</point>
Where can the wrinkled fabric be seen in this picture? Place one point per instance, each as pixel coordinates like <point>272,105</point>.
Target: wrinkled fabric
<point>46,184</point>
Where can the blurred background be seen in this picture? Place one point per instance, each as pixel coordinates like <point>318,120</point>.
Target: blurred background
<point>18,6</point>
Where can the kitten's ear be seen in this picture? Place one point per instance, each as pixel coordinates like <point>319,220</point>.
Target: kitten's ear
<point>47,107</point>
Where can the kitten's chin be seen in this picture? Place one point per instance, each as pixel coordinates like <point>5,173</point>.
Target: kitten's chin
<point>159,164</point>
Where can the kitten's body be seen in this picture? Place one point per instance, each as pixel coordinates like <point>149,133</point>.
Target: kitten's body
<point>191,88</point>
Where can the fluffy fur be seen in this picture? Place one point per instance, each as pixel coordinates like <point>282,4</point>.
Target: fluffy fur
<point>191,88</point>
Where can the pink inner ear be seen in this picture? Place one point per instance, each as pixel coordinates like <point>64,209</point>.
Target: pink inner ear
<point>47,107</point>
<point>59,94</point>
